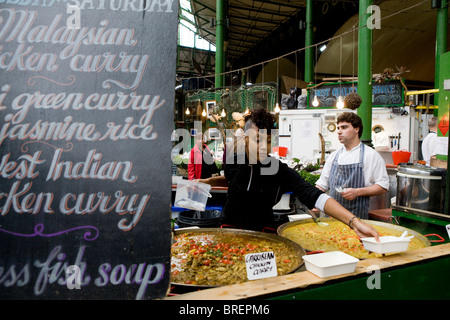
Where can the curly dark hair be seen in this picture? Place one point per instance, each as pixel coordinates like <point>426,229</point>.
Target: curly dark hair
<point>353,119</point>
<point>261,118</point>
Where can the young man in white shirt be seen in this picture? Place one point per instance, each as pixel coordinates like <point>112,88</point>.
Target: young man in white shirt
<point>354,172</point>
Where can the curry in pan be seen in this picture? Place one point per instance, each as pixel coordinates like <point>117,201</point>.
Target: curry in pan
<point>218,258</point>
<point>334,235</point>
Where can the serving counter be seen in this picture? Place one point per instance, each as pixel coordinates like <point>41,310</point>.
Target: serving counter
<point>418,274</point>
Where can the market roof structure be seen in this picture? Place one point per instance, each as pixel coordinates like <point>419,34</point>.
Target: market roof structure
<point>259,30</point>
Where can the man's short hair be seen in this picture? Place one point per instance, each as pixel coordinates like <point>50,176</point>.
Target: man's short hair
<point>353,119</point>
<point>432,122</point>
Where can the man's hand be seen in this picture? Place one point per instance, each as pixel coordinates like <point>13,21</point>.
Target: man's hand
<point>350,193</point>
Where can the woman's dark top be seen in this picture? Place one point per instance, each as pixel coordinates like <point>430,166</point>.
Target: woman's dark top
<point>252,195</point>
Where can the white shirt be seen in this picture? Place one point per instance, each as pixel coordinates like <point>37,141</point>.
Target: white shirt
<point>374,167</point>
<point>429,146</point>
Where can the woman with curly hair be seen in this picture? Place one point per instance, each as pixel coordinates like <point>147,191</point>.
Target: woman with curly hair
<point>257,181</point>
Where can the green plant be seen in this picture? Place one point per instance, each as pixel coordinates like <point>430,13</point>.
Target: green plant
<point>308,175</point>
<point>180,162</point>
<point>311,167</point>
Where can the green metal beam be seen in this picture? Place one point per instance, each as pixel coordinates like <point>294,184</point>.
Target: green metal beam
<point>220,33</point>
<point>309,51</point>
<point>259,10</point>
<point>257,19</point>
<point>365,71</point>
<point>441,43</point>
<point>281,4</point>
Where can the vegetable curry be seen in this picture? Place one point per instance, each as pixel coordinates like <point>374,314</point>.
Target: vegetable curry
<point>214,259</point>
<point>337,236</point>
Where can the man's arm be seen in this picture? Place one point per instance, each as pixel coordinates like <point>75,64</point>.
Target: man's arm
<point>352,193</point>
<point>378,176</point>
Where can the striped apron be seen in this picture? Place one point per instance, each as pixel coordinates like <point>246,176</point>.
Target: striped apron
<point>350,176</point>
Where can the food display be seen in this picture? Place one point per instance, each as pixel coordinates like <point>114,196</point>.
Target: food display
<point>215,258</point>
<point>334,235</point>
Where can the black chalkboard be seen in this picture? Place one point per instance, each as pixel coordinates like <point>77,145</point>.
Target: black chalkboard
<point>86,111</point>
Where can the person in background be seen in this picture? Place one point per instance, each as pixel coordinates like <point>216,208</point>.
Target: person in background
<point>201,162</point>
<point>354,172</point>
<point>257,181</point>
<point>429,144</point>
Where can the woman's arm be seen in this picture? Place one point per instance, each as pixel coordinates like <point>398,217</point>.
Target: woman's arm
<point>217,181</point>
<point>334,209</point>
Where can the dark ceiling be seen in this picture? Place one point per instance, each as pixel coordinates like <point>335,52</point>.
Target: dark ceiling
<point>262,30</point>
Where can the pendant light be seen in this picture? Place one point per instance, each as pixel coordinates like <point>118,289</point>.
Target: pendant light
<point>277,105</point>
<point>277,108</point>
<point>340,103</point>
<point>315,102</point>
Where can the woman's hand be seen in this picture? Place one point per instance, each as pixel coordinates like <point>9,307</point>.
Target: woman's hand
<point>218,181</point>
<point>364,230</point>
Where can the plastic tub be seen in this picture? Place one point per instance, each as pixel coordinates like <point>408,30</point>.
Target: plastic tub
<point>401,156</point>
<point>192,195</point>
<point>330,264</point>
<point>387,244</point>
<point>282,151</point>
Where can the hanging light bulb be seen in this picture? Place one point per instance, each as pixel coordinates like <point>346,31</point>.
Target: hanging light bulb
<point>204,113</point>
<point>187,111</point>
<point>315,102</point>
<point>340,103</point>
<point>223,114</point>
<point>277,108</point>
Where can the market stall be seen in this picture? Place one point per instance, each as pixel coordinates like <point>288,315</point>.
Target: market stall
<point>374,275</point>
<point>409,275</point>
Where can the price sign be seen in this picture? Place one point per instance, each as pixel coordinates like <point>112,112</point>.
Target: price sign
<point>261,265</point>
<point>443,125</point>
<point>447,227</point>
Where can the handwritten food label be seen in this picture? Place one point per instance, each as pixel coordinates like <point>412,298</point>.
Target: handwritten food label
<point>261,265</point>
<point>86,111</point>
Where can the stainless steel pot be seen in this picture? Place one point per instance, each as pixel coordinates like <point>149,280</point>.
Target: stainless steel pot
<point>421,187</point>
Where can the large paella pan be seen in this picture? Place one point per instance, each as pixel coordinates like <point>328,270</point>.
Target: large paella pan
<point>333,235</point>
<point>209,257</point>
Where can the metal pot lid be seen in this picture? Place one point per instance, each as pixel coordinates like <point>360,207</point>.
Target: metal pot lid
<point>420,170</point>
